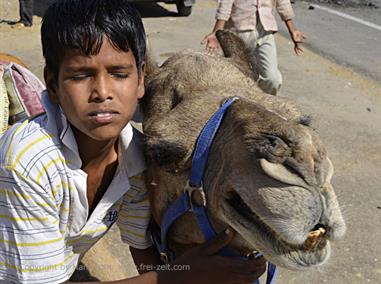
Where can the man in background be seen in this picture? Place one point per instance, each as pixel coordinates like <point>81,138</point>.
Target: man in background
<point>254,22</point>
<point>26,14</point>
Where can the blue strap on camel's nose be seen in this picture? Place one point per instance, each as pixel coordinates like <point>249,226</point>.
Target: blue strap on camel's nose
<point>184,202</point>
<point>204,143</point>
<point>199,161</point>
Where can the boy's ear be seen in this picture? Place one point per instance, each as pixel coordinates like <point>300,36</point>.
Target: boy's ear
<point>51,85</point>
<point>141,88</point>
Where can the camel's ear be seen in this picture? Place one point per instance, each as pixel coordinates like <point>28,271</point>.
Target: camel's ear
<point>151,66</point>
<point>233,47</point>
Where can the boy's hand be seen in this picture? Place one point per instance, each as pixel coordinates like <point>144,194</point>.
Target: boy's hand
<point>298,38</point>
<point>212,44</point>
<point>206,267</point>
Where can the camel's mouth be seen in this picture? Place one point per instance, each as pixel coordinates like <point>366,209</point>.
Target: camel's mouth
<point>300,255</point>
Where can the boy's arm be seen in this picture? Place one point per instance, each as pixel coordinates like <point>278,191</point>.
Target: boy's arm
<point>223,14</point>
<point>30,239</point>
<point>286,13</point>
<point>145,260</point>
<point>211,40</point>
<point>146,278</point>
<point>297,36</point>
<point>202,265</point>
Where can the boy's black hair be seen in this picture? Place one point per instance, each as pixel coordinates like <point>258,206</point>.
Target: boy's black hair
<point>85,24</point>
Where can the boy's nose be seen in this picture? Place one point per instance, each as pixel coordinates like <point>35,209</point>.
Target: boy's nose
<point>101,90</point>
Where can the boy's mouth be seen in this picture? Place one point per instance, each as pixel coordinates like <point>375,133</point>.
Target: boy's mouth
<point>103,116</point>
<point>103,112</point>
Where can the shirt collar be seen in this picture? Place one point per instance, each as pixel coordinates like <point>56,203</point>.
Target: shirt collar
<point>131,149</point>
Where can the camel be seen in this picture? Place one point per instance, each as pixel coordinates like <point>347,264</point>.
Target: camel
<point>268,175</point>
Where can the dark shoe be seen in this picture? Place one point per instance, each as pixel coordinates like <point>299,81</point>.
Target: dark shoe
<point>20,25</point>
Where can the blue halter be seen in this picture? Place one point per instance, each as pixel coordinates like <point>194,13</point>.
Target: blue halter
<point>185,202</point>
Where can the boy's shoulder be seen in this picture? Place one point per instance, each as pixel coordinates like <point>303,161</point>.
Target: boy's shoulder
<point>26,140</point>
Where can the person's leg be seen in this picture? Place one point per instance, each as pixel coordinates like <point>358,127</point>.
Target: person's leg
<point>270,78</point>
<point>263,59</point>
<point>26,12</point>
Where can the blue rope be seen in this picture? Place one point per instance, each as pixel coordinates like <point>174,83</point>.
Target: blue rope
<point>204,143</point>
<point>183,203</point>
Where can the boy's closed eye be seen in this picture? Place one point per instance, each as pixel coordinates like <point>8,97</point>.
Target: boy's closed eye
<point>120,75</point>
<point>78,77</point>
<point>77,74</point>
<point>82,76</point>
<point>121,72</point>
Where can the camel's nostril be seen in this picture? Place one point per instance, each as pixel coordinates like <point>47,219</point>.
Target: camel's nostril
<point>315,237</point>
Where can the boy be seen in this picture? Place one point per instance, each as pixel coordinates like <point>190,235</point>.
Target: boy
<point>66,176</point>
<point>255,23</point>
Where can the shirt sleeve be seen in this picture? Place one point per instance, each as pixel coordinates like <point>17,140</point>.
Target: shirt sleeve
<point>31,244</point>
<point>285,10</point>
<point>224,9</point>
<point>135,215</point>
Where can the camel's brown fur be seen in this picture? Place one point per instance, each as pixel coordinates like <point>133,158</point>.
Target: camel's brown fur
<point>268,175</point>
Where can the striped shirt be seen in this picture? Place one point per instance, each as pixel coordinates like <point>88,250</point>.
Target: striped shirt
<point>242,15</point>
<point>44,222</point>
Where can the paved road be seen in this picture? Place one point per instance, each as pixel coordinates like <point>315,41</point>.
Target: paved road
<point>351,37</point>
<point>346,107</point>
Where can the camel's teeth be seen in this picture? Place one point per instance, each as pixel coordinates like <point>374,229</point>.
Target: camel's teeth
<point>314,238</point>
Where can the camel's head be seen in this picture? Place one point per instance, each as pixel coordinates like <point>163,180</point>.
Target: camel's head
<point>268,175</point>
<point>270,179</point>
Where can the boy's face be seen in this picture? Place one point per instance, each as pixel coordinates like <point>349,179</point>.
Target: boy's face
<point>98,93</point>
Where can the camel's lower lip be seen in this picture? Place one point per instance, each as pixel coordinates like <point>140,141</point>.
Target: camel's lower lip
<point>297,254</point>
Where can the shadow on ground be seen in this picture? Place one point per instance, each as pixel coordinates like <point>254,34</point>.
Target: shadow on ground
<point>153,10</point>
<point>146,10</point>
<point>40,6</point>
<point>82,274</point>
